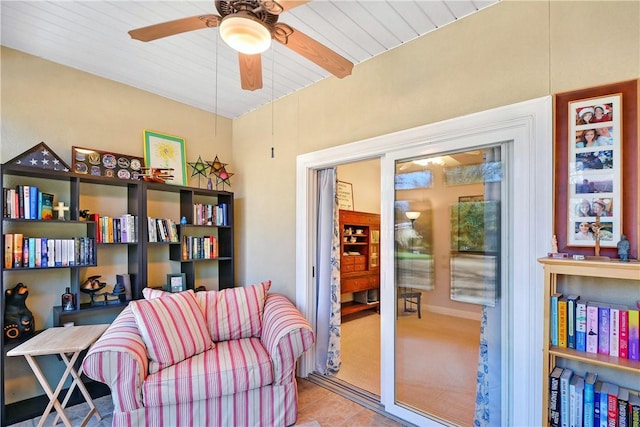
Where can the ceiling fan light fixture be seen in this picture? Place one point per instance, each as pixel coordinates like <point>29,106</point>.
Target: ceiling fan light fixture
<point>245,34</point>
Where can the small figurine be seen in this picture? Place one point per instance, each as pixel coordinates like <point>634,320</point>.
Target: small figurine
<point>18,319</point>
<point>623,249</point>
<point>209,184</point>
<point>84,214</point>
<point>554,245</point>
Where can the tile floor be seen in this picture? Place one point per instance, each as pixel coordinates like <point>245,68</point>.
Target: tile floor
<point>317,406</point>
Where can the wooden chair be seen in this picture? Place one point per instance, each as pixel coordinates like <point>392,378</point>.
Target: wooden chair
<point>411,297</point>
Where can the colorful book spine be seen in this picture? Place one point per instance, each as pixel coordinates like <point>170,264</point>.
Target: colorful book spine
<point>634,410</point>
<point>612,406</point>
<point>624,335</point>
<point>614,330</point>
<point>634,334</point>
<point>623,408</point>
<point>596,404</point>
<point>571,320</point>
<point>554,396</point>
<point>8,251</point>
<point>603,328</point>
<point>590,380</point>
<point>581,326</point>
<point>33,202</point>
<point>576,400</point>
<point>565,382</point>
<point>592,327</point>
<point>562,322</point>
<point>604,404</point>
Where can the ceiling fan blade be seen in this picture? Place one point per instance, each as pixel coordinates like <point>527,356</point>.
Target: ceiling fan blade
<point>158,31</point>
<point>250,71</point>
<point>313,50</point>
<point>290,4</point>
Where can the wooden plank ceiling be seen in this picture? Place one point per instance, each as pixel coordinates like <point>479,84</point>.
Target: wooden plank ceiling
<point>198,68</point>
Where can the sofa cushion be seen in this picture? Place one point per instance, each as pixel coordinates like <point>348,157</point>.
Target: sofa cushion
<point>228,368</point>
<point>173,328</point>
<point>150,293</point>
<point>234,313</point>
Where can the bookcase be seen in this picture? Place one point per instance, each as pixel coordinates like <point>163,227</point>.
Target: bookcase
<point>604,283</point>
<point>359,260</point>
<point>113,198</point>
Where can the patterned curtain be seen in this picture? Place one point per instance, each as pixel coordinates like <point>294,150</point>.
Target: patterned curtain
<point>328,359</point>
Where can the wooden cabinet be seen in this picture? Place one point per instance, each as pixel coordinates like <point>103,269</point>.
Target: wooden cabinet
<point>114,197</point>
<point>359,260</point>
<point>610,283</point>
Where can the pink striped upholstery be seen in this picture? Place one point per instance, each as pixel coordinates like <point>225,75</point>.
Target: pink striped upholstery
<point>230,367</point>
<point>234,313</point>
<point>173,328</point>
<point>150,293</point>
<point>118,359</point>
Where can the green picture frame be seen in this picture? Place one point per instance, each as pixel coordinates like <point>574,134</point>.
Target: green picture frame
<point>176,282</point>
<point>166,151</point>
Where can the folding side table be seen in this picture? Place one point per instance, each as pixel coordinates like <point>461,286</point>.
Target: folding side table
<point>68,343</point>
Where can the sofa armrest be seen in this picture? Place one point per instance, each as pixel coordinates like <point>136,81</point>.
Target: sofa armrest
<point>286,334</point>
<point>119,359</point>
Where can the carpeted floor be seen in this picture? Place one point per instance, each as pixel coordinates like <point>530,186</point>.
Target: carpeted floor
<point>437,360</point>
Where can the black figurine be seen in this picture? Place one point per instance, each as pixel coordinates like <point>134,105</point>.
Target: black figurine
<point>18,319</point>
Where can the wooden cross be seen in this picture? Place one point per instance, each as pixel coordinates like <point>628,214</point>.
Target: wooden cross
<point>61,208</point>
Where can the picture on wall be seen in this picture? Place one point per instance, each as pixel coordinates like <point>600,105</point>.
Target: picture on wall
<point>594,171</point>
<point>166,152</point>
<point>595,168</point>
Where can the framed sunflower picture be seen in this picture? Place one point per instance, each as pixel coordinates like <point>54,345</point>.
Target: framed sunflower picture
<point>166,152</point>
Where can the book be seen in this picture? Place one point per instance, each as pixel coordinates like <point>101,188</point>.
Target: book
<point>571,320</point>
<point>590,380</point>
<point>596,403</point>
<point>623,407</point>
<point>624,334</point>
<point>33,202</point>
<point>603,328</point>
<point>581,326</point>
<point>554,396</point>
<point>614,330</point>
<point>47,205</point>
<point>612,405</point>
<point>32,252</point>
<point>18,239</point>
<point>44,252</point>
<point>592,327</point>
<point>634,410</point>
<point>565,382</point>
<point>576,396</point>
<point>604,403</point>
<point>8,251</point>
<point>562,322</point>
<point>634,334</point>
<point>26,202</point>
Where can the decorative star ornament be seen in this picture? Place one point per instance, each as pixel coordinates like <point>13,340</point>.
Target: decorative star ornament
<point>223,177</point>
<point>216,166</point>
<point>199,167</point>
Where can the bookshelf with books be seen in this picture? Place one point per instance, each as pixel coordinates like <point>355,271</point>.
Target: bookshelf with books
<point>95,202</point>
<point>599,290</point>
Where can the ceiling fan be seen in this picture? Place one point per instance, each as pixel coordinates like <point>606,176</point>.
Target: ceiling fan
<point>248,27</point>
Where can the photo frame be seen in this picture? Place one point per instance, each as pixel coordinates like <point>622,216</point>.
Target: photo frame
<point>596,155</point>
<point>344,191</point>
<point>166,151</point>
<point>87,161</point>
<point>176,282</point>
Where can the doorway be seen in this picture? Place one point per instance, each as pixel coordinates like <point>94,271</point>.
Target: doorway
<point>527,129</point>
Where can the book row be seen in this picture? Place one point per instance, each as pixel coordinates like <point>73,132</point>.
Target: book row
<point>210,214</point>
<point>199,247</point>
<point>162,230</point>
<point>26,202</point>
<point>595,327</point>
<point>576,400</point>
<point>121,229</point>
<point>41,252</point>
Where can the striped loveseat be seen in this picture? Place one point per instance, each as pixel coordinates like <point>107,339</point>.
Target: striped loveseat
<point>213,358</point>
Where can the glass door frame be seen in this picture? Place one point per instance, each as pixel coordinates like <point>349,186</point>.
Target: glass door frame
<point>528,126</point>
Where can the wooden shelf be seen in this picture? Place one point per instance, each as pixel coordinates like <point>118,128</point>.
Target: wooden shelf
<point>355,307</point>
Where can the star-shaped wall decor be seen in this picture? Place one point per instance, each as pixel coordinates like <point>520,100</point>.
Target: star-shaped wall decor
<point>199,167</point>
<point>222,176</point>
<point>215,166</point>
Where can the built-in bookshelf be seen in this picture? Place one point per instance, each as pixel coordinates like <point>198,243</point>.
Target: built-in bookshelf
<point>109,221</point>
<point>596,356</point>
